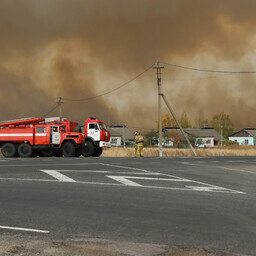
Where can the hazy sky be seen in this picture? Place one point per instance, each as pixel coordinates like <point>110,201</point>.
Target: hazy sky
<point>81,48</point>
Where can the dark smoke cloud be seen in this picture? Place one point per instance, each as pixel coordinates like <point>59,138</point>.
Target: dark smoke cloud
<point>77,49</point>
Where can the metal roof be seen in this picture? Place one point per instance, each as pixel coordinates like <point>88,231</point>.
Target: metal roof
<point>197,132</point>
<point>121,131</point>
<point>250,131</point>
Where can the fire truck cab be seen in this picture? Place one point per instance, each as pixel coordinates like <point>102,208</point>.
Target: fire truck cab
<point>96,135</point>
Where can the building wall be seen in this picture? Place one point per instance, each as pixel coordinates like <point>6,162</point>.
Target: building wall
<point>116,141</point>
<point>243,140</point>
<point>204,142</point>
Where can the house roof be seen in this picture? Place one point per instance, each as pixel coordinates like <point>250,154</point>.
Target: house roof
<point>121,131</point>
<point>197,132</point>
<point>250,131</point>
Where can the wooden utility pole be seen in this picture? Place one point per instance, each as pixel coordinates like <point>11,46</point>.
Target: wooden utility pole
<point>178,123</point>
<point>60,102</point>
<point>159,81</point>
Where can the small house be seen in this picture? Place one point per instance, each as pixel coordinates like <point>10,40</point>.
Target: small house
<point>199,137</point>
<point>120,135</point>
<point>246,136</point>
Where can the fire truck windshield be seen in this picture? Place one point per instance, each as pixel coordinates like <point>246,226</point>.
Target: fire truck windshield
<point>102,126</point>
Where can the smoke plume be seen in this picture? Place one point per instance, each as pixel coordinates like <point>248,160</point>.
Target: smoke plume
<point>82,48</point>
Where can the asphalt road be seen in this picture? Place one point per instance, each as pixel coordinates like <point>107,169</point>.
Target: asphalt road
<point>191,202</point>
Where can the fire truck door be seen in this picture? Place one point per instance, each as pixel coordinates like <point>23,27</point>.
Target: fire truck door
<point>55,138</point>
<point>94,131</point>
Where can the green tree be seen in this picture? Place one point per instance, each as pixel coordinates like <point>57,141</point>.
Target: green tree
<point>167,121</point>
<point>184,121</point>
<point>222,122</point>
<point>151,138</point>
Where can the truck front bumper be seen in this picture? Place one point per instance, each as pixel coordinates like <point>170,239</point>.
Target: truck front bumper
<point>105,144</point>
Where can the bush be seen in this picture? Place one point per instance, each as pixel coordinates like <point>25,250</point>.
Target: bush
<point>229,143</point>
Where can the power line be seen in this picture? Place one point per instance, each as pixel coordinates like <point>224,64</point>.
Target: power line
<point>209,70</point>
<point>200,78</point>
<point>115,89</point>
<point>50,111</point>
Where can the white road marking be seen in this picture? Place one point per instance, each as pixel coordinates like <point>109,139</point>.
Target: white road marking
<point>59,176</point>
<point>115,172</point>
<point>24,229</point>
<point>125,167</point>
<point>124,180</point>
<point>147,178</point>
<point>210,189</point>
<point>207,187</point>
<point>219,167</point>
<point>192,188</point>
<point>206,184</point>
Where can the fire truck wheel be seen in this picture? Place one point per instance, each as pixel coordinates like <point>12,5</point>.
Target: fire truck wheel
<point>88,149</point>
<point>68,149</point>
<point>25,150</point>
<point>9,150</point>
<point>98,152</point>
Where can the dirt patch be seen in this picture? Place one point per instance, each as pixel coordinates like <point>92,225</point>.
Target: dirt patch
<point>31,246</point>
<point>195,252</point>
<point>28,245</point>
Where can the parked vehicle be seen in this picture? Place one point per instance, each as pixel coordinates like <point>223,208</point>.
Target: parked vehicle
<point>33,136</point>
<point>51,137</point>
<point>96,135</point>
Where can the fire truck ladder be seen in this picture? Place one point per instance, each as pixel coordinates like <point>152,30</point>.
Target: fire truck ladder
<point>29,120</point>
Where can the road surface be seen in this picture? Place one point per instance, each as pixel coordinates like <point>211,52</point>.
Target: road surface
<point>187,202</point>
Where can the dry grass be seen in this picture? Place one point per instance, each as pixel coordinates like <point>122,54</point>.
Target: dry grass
<point>179,152</point>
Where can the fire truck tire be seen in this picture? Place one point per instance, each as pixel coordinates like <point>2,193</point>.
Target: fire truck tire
<point>9,150</point>
<point>68,149</point>
<point>25,150</point>
<point>88,149</point>
<point>98,152</point>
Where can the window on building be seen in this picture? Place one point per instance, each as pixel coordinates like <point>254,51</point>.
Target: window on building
<point>114,141</point>
<point>40,129</point>
<point>208,141</point>
<point>246,142</point>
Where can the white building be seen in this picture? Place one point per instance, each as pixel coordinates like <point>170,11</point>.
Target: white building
<point>246,136</point>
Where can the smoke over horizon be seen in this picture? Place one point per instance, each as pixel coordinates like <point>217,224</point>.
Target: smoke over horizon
<point>79,49</point>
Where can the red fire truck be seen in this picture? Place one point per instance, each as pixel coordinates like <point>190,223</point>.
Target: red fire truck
<point>95,134</point>
<point>52,137</point>
<point>33,136</point>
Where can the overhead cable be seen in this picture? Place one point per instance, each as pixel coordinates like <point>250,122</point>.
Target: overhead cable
<point>209,70</point>
<point>115,89</point>
<point>50,111</point>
